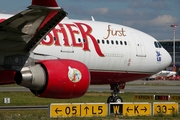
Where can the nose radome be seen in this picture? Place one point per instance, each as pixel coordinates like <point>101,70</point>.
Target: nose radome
<point>167,59</point>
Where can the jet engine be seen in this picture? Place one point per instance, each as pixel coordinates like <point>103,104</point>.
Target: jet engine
<point>60,78</point>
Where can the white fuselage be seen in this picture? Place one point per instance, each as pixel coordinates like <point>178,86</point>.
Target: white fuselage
<point>112,52</point>
<point>104,47</point>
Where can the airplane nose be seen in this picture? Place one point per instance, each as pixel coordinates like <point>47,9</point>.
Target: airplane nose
<point>167,59</point>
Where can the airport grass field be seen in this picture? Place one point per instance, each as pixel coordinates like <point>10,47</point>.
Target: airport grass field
<point>28,99</point>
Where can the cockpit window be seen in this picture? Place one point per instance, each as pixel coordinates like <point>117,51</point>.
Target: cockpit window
<point>160,46</point>
<point>157,44</point>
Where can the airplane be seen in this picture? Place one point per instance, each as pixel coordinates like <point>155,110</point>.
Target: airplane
<point>162,74</point>
<point>58,57</point>
<point>166,73</point>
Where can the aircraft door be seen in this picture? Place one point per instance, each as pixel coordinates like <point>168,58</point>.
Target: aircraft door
<point>66,48</point>
<point>140,49</point>
<point>64,41</point>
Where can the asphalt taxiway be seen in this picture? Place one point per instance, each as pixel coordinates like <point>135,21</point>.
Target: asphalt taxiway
<point>156,86</point>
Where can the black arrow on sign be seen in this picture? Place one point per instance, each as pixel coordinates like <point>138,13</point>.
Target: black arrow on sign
<point>86,108</point>
<point>57,110</point>
<point>128,109</point>
<point>145,109</point>
<point>171,109</point>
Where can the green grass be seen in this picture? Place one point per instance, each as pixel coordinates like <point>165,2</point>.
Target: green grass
<point>27,98</point>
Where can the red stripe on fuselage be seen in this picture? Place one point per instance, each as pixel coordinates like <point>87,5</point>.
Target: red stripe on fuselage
<point>7,77</point>
<point>115,77</point>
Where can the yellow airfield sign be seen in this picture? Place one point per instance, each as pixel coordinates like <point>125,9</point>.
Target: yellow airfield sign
<point>93,109</point>
<point>175,97</point>
<point>143,97</point>
<point>130,109</point>
<point>57,110</point>
<point>77,109</point>
<point>134,109</point>
<point>167,108</point>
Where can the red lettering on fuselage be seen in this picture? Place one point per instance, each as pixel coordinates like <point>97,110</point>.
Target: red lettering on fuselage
<point>64,33</point>
<point>48,42</point>
<point>85,35</point>
<point>72,33</point>
<point>76,29</point>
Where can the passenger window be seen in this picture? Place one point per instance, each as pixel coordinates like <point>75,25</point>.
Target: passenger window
<point>98,41</point>
<point>54,38</point>
<point>125,42</point>
<point>121,42</point>
<point>107,41</point>
<point>103,41</point>
<point>112,42</point>
<point>79,40</point>
<point>116,42</point>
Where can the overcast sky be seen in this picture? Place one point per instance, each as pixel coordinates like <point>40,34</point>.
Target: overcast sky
<point>151,16</point>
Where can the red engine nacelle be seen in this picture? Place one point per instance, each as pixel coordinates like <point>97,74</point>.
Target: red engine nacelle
<point>55,78</point>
